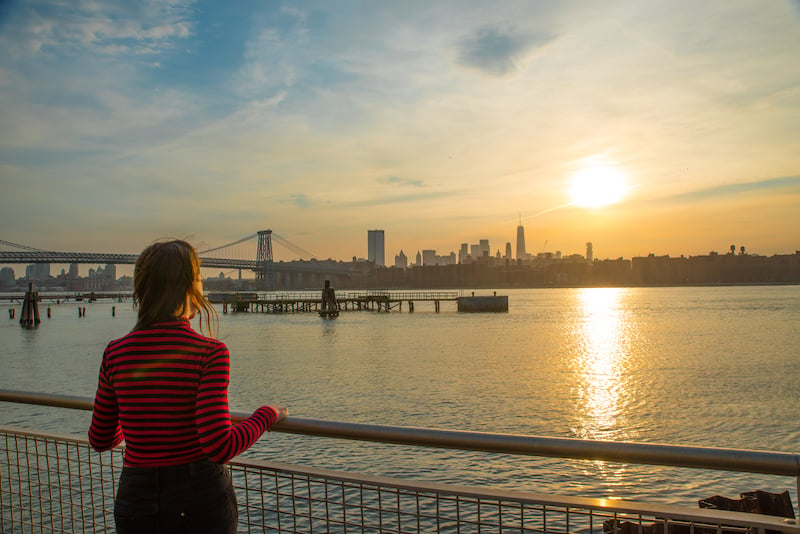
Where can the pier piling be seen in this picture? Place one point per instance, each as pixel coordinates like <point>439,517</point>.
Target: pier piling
<point>30,308</point>
<point>329,308</point>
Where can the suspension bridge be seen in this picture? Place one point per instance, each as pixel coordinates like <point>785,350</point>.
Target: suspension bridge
<point>260,261</point>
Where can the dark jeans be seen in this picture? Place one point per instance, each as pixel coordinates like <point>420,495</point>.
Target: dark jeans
<point>195,497</point>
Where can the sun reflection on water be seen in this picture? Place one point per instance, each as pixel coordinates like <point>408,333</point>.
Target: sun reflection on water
<point>602,337</point>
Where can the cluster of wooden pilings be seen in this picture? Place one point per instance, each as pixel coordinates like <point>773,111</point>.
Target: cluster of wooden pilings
<point>29,312</point>
<point>329,308</point>
<point>30,309</point>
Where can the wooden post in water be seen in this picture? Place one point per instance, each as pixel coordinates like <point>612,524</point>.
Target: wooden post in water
<point>30,308</point>
<point>329,308</point>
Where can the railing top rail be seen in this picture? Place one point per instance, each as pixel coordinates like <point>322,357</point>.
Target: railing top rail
<point>723,459</point>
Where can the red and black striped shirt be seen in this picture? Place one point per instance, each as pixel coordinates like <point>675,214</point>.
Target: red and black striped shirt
<point>164,390</point>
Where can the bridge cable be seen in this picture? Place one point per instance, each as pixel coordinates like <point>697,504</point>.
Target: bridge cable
<point>294,248</point>
<point>242,240</point>
<point>24,247</point>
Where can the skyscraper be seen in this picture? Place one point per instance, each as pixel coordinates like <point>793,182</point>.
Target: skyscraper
<point>401,261</point>
<point>521,242</point>
<point>375,249</point>
<point>463,252</point>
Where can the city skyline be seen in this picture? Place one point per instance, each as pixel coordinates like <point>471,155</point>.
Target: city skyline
<point>432,270</point>
<point>376,253</point>
<point>641,127</point>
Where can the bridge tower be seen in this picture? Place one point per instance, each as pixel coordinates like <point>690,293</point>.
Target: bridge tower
<point>265,273</point>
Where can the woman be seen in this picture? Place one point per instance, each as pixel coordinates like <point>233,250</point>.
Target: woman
<point>163,388</point>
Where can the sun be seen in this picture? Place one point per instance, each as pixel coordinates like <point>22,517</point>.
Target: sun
<point>597,183</point>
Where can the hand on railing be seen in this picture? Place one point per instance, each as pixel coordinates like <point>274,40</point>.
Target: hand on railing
<point>282,413</point>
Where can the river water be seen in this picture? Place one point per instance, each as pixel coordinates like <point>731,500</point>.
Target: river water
<point>707,366</point>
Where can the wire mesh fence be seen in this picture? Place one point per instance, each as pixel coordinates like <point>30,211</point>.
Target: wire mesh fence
<point>55,483</point>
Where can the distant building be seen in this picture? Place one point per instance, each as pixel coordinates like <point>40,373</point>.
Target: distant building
<point>481,250</point>
<point>111,271</point>
<point>589,252</point>
<point>430,258</point>
<point>419,259</point>
<point>73,270</point>
<point>463,253</point>
<point>38,271</point>
<point>549,255</point>
<point>521,253</point>
<point>7,278</point>
<point>375,247</point>
<point>508,250</point>
<point>401,261</point>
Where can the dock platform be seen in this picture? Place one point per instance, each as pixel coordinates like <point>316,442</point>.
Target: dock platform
<point>311,301</point>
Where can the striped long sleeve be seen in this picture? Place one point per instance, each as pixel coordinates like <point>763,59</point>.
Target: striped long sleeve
<point>220,439</point>
<point>105,431</point>
<point>165,391</point>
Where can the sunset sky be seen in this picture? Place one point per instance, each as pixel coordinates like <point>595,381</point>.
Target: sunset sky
<point>440,122</point>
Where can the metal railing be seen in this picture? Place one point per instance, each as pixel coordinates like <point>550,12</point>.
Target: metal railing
<point>56,483</point>
<point>412,295</point>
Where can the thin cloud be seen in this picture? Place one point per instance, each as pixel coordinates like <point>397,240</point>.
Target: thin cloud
<point>396,180</point>
<point>397,199</point>
<point>107,28</point>
<point>735,189</point>
<point>300,200</point>
<point>498,52</point>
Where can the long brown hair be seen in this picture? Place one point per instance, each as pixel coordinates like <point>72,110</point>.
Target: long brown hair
<point>164,274</point>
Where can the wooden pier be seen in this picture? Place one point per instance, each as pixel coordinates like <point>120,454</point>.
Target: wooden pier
<point>312,301</point>
<point>277,302</point>
<point>59,297</point>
